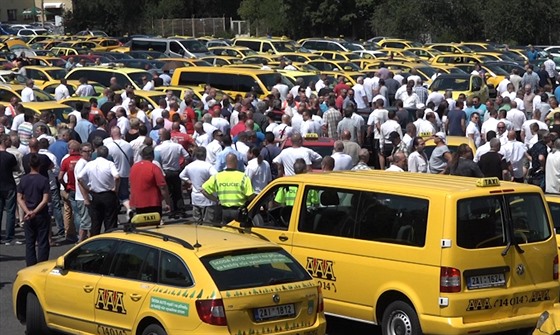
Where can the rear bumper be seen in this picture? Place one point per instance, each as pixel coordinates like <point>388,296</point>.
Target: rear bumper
<point>455,326</point>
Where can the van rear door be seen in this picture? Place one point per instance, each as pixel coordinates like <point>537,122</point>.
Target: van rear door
<point>504,262</point>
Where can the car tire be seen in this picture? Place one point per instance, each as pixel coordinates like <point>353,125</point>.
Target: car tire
<point>35,318</point>
<point>154,329</point>
<point>400,318</point>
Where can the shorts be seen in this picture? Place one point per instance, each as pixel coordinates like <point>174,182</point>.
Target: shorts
<point>83,214</point>
<point>124,190</point>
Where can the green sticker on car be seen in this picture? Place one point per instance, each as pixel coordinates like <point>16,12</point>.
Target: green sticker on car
<point>169,306</point>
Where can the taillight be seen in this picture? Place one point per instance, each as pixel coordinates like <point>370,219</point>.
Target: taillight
<point>449,280</point>
<point>555,268</point>
<point>212,312</point>
<point>320,302</point>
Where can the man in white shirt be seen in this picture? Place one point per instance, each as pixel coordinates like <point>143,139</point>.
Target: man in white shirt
<point>258,170</point>
<point>99,181</point>
<point>399,164</point>
<point>369,83</point>
<point>515,153</point>
<point>362,103</point>
<point>526,132</point>
<point>214,147</point>
<point>472,129</point>
<point>147,84</point>
<point>123,157</point>
<point>552,169</point>
<point>283,130</point>
<point>516,117</point>
<point>27,94</point>
<point>550,68</point>
<point>490,124</point>
<point>409,98</point>
<point>286,159</point>
<point>308,126</point>
<point>342,161</point>
<point>61,91</point>
<point>85,89</point>
<point>218,121</point>
<point>156,113</point>
<point>282,88</point>
<point>122,121</point>
<point>197,173</point>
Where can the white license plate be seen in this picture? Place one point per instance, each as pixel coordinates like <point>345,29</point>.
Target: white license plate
<point>483,281</point>
<point>274,312</point>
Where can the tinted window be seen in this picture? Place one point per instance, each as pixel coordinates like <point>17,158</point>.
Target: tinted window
<point>244,269</point>
<point>364,215</point>
<point>555,211</point>
<point>193,78</point>
<point>173,271</point>
<point>483,222</point>
<point>311,45</point>
<point>128,260</point>
<point>158,46</point>
<point>253,45</point>
<point>176,48</point>
<point>194,46</point>
<point>266,47</point>
<point>91,257</point>
<point>442,83</point>
<point>247,83</point>
<point>57,73</point>
<point>223,81</point>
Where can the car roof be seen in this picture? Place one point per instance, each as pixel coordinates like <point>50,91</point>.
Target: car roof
<point>208,239</point>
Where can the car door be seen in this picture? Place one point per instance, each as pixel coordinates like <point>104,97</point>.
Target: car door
<point>120,295</point>
<point>70,292</point>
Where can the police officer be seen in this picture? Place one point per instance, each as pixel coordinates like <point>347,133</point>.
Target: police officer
<point>233,189</point>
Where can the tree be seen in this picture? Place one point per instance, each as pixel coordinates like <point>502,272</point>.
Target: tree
<point>267,16</point>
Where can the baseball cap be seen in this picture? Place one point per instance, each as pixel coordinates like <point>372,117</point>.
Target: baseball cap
<point>441,135</point>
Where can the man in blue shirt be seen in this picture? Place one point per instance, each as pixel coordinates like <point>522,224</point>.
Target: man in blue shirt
<point>532,54</point>
<point>60,147</point>
<point>221,157</point>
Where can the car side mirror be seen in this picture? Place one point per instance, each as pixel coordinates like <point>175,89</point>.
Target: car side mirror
<point>60,262</point>
<point>243,218</point>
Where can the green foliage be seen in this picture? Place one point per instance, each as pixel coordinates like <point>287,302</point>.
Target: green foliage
<point>435,20</point>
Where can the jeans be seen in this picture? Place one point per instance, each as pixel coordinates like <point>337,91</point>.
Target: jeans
<point>37,232</point>
<point>56,207</point>
<point>8,202</point>
<point>75,210</point>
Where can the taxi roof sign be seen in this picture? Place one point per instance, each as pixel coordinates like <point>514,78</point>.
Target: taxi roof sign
<point>487,182</point>
<point>146,219</point>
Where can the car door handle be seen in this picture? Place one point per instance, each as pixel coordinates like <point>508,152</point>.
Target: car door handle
<point>88,288</point>
<point>135,296</point>
<point>283,238</point>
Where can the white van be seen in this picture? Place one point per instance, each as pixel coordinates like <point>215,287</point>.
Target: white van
<point>173,47</point>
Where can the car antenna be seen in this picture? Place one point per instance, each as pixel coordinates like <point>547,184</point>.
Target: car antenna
<point>196,245</point>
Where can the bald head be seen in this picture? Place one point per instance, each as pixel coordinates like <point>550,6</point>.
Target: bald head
<point>512,135</point>
<point>297,140</point>
<point>346,136</point>
<point>176,126</point>
<point>33,145</point>
<point>338,146</point>
<point>231,161</point>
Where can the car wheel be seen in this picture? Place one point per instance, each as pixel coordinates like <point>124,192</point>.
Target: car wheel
<point>400,319</point>
<point>35,318</point>
<point>154,329</point>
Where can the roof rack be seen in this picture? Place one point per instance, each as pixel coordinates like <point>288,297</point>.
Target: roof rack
<point>131,228</point>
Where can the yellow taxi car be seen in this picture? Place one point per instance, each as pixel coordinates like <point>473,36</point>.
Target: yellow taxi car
<point>338,55</point>
<point>105,44</point>
<point>103,74</point>
<point>397,43</point>
<point>61,111</point>
<point>301,57</point>
<point>263,59</point>
<point>333,65</point>
<point>416,253</point>
<point>45,45</point>
<point>14,90</point>
<point>221,60</point>
<point>470,85</point>
<point>452,59</point>
<point>170,279</point>
<point>272,45</point>
<point>237,51</point>
<point>184,61</point>
<point>64,51</point>
<point>452,142</point>
<point>424,53</point>
<point>72,85</point>
<point>449,48</point>
<point>48,61</point>
<point>43,74</point>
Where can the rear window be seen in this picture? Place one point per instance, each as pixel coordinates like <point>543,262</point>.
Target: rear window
<point>487,222</point>
<point>451,83</point>
<point>253,268</point>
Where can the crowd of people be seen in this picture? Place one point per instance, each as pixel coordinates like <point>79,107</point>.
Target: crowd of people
<point>112,155</point>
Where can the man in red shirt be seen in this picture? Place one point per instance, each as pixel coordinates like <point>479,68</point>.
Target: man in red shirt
<point>240,126</point>
<point>67,169</point>
<point>147,185</point>
<point>340,85</point>
<point>189,115</point>
<point>183,139</point>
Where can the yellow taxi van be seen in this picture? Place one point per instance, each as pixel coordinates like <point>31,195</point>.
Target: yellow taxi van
<point>230,80</point>
<point>415,253</point>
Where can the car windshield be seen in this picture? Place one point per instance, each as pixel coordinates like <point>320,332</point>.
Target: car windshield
<point>56,73</point>
<point>269,80</point>
<point>348,66</point>
<point>451,83</point>
<point>253,268</point>
<point>194,46</point>
<point>464,49</point>
<point>428,71</point>
<point>483,222</point>
<point>137,77</point>
<point>350,46</point>
<point>284,46</point>
<point>58,62</point>
<point>497,70</point>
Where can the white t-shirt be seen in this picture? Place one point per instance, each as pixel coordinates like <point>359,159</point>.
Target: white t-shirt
<point>288,156</point>
<point>61,92</point>
<point>259,174</point>
<point>198,172</point>
<point>342,161</point>
<point>27,95</point>
<point>472,129</point>
<point>359,95</point>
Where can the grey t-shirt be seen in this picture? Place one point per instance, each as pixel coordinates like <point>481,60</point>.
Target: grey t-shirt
<point>437,161</point>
